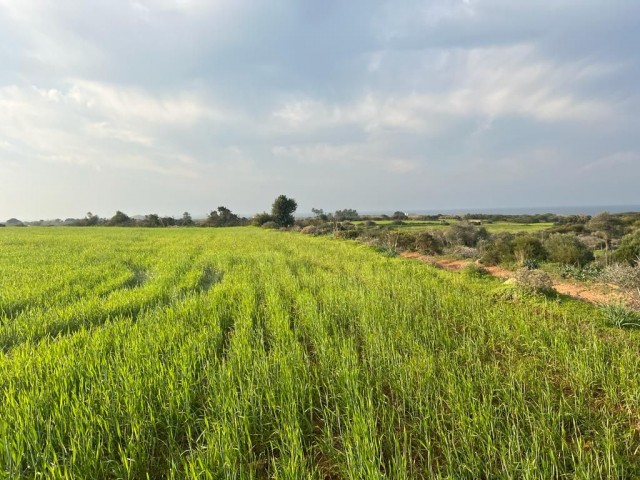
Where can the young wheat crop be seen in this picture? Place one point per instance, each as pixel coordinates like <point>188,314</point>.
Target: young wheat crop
<point>245,353</point>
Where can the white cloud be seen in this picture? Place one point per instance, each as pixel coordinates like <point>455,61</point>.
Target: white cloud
<point>96,124</point>
<point>400,165</point>
<point>325,154</point>
<point>126,104</point>
<point>615,160</point>
<point>481,83</point>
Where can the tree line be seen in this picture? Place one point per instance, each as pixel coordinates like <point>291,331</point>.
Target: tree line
<point>281,215</point>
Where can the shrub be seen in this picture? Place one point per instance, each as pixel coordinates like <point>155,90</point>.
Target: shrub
<point>270,224</point>
<point>403,240</point>
<point>310,230</point>
<point>526,247</point>
<point>463,233</point>
<point>428,243</point>
<point>465,252</point>
<point>261,218</point>
<point>624,276</point>
<point>534,281</point>
<point>629,249</point>
<point>497,249</point>
<point>347,234</point>
<point>592,241</point>
<point>568,249</point>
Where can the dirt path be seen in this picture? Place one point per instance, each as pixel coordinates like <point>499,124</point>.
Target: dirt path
<point>598,293</point>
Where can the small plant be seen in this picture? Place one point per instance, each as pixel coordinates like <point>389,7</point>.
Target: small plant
<point>387,251</point>
<point>618,315</point>
<point>588,272</point>
<point>476,271</point>
<point>530,264</point>
<point>533,281</point>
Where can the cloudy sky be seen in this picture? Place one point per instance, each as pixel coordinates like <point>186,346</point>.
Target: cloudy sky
<point>172,105</point>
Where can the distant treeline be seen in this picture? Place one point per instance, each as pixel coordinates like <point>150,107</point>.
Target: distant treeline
<point>282,216</point>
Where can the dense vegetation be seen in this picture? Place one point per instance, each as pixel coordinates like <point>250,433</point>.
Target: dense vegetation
<point>604,248</point>
<point>249,353</point>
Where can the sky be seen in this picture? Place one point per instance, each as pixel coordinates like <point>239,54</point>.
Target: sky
<point>166,106</point>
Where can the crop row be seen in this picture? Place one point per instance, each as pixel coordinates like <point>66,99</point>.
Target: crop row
<point>244,353</point>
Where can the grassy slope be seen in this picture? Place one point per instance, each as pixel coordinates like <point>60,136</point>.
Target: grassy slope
<point>241,353</point>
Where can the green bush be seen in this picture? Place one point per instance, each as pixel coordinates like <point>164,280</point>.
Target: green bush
<point>428,243</point>
<point>497,249</point>
<point>475,271</point>
<point>347,234</point>
<point>466,234</point>
<point>261,218</point>
<point>526,247</point>
<point>567,249</point>
<point>533,281</point>
<point>629,249</point>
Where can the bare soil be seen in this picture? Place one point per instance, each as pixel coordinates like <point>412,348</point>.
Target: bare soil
<point>592,293</point>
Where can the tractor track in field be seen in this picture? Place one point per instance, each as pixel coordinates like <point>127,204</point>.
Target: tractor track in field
<point>596,293</point>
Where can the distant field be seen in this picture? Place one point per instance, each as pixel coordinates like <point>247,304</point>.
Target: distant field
<point>246,353</point>
<point>491,227</point>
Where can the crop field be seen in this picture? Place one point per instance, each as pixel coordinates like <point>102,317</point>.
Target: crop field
<point>248,353</point>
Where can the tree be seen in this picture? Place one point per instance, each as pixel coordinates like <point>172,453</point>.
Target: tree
<point>168,222</point>
<point>186,221</point>
<point>151,220</point>
<point>120,219</point>
<point>282,211</point>
<point>222,217</point>
<point>319,214</point>
<point>91,219</point>
<point>607,226</point>
<point>14,222</point>
<point>346,214</point>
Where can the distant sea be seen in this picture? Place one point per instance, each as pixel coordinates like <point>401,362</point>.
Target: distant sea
<point>560,210</point>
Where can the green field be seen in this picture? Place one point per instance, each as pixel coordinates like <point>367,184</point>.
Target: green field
<point>495,227</point>
<point>246,353</point>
